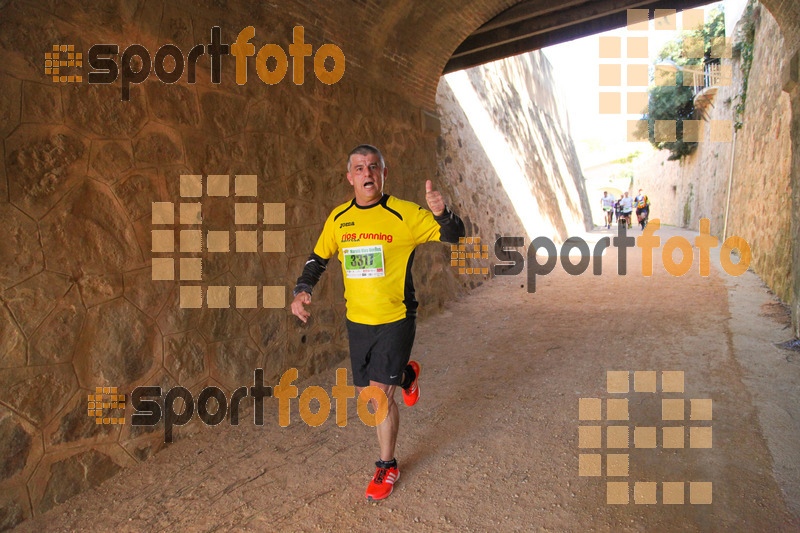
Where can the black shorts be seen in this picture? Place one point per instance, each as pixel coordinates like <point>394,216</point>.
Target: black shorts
<point>380,353</point>
<point>640,210</point>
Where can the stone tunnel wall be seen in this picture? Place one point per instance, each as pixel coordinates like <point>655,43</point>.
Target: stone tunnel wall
<point>80,169</point>
<point>506,137</point>
<point>761,194</point>
<point>79,306</point>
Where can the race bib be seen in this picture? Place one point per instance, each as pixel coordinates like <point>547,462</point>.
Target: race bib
<point>364,261</point>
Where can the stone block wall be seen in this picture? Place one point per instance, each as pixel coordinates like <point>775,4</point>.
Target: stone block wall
<point>504,131</point>
<point>79,170</point>
<point>761,195</point>
<point>760,208</point>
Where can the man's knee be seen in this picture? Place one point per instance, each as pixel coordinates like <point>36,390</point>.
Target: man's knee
<point>387,392</point>
<point>374,402</point>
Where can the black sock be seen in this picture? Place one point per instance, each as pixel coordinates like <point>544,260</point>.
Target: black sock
<point>408,377</point>
<point>386,464</point>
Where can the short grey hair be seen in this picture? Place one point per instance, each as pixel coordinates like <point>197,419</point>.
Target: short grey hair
<point>365,149</point>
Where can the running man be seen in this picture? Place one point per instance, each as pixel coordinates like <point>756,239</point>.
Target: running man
<point>374,236</point>
<point>642,208</point>
<point>607,202</point>
<point>626,203</point>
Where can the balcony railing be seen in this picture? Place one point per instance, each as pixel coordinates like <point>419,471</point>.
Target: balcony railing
<point>711,76</point>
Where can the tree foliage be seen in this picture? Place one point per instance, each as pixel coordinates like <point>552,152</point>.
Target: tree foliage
<point>743,49</point>
<point>676,102</point>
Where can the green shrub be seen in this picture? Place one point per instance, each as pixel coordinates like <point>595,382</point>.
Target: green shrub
<point>743,50</point>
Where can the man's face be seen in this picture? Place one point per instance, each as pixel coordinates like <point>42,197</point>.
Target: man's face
<point>605,193</point>
<point>367,177</point>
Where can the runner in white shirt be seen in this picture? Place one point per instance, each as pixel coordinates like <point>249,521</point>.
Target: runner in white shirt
<point>607,202</point>
<point>627,207</point>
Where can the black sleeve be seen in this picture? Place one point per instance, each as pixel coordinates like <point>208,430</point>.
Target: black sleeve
<point>314,268</point>
<point>451,227</point>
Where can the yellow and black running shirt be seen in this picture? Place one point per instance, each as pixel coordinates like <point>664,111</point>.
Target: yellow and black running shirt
<point>375,245</point>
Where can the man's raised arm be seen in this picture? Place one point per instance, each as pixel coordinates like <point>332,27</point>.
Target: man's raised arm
<point>451,227</point>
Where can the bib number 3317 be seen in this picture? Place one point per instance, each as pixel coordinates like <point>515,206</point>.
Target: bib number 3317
<point>364,262</point>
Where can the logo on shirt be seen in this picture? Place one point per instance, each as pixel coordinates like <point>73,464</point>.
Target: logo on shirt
<point>356,237</point>
<point>376,236</point>
<point>344,224</point>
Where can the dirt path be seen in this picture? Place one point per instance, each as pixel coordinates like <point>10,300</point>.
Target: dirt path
<point>493,443</point>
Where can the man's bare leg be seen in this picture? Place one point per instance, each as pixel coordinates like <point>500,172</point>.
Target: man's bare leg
<point>387,430</point>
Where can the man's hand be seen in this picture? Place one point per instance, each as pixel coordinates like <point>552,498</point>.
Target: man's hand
<point>302,298</point>
<point>434,199</point>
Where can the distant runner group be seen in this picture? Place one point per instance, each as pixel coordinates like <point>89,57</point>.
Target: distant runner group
<point>623,208</point>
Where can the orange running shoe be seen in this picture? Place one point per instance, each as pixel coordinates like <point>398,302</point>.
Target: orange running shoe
<point>411,394</point>
<point>382,483</point>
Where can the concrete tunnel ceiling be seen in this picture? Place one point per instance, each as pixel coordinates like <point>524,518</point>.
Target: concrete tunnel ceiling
<point>534,24</point>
